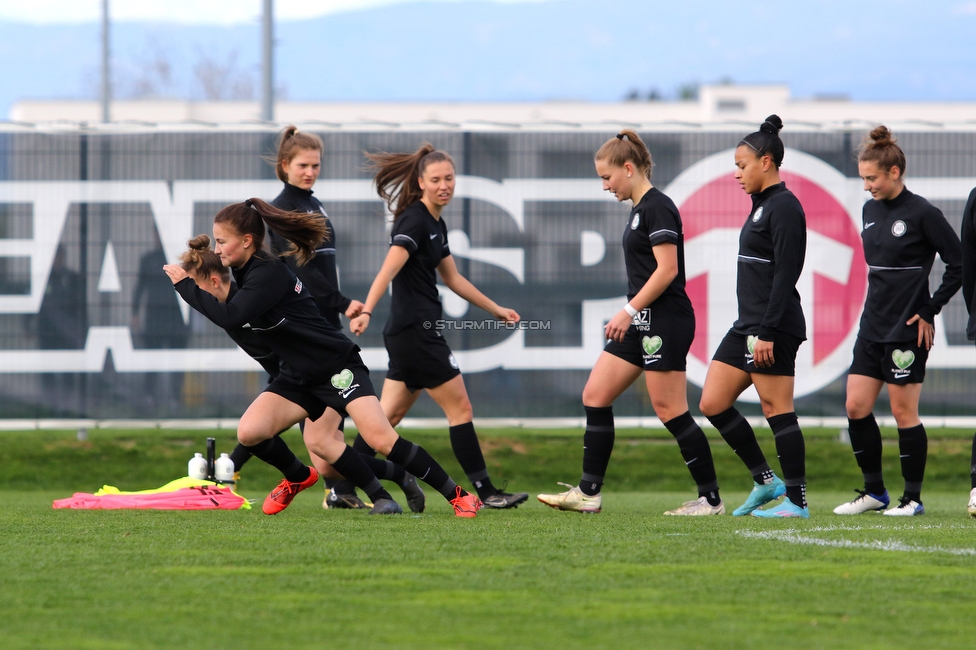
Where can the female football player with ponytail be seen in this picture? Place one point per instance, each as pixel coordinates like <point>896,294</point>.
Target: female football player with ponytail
<point>651,333</point>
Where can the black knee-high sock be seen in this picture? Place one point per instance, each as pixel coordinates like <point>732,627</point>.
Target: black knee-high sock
<point>467,449</point>
<point>240,456</point>
<point>384,469</point>
<point>340,486</point>
<point>740,436</point>
<point>792,456</point>
<point>866,443</point>
<point>697,454</point>
<point>914,447</point>
<point>276,453</point>
<point>352,467</point>
<point>597,447</point>
<point>972,469</point>
<point>360,445</point>
<point>418,462</point>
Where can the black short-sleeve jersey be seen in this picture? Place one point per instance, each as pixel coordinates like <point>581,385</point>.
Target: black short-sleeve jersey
<point>415,297</point>
<point>900,239</point>
<point>319,274</point>
<point>278,309</point>
<point>772,247</point>
<point>653,221</point>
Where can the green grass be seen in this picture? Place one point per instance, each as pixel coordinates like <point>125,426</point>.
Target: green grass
<point>528,578</point>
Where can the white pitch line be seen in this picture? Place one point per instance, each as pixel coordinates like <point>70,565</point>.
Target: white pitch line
<point>792,536</point>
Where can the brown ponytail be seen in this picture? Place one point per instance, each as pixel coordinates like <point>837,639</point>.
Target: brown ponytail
<point>290,143</point>
<point>881,147</point>
<point>304,231</point>
<point>200,260</point>
<point>397,174</point>
<point>626,147</point>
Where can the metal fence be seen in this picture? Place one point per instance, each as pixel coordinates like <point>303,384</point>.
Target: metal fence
<point>91,328</point>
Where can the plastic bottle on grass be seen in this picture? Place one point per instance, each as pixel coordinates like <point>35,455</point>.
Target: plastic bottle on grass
<point>224,469</point>
<point>197,467</point>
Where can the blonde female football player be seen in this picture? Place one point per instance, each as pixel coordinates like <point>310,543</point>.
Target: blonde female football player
<point>651,333</point>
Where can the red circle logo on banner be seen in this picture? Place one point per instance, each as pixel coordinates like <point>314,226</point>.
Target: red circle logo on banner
<point>832,286</point>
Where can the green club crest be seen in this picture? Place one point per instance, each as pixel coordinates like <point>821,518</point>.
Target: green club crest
<point>651,344</point>
<point>903,359</point>
<point>751,343</point>
<point>343,380</point>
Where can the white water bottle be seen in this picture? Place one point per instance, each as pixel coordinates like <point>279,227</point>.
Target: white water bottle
<point>197,467</point>
<point>224,469</point>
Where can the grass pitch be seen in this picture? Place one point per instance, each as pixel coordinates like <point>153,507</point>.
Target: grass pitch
<point>529,578</point>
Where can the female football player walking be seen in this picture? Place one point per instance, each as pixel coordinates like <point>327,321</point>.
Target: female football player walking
<point>901,232</point>
<point>651,333</point>
<point>760,348</point>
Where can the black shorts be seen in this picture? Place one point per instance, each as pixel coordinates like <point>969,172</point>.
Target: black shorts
<point>893,363</point>
<point>734,351</point>
<point>661,345</point>
<point>350,383</point>
<point>420,358</point>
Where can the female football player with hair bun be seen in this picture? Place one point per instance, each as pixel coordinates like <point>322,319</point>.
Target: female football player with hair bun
<point>760,348</point>
<point>901,232</point>
<point>317,364</point>
<point>651,333</point>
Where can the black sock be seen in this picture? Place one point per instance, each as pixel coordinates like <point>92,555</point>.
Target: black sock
<point>972,469</point>
<point>740,436</point>
<point>597,448</point>
<point>343,486</point>
<point>464,442</point>
<point>360,445</point>
<point>792,456</point>
<point>384,469</point>
<point>418,462</point>
<point>914,447</point>
<point>242,454</point>
<point>866,443</point>
<point>275,452</point>
<point>697,454</point>
<point>351,465</point>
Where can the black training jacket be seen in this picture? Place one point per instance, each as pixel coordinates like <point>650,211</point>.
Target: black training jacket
<point>900,239</point>
<point>969,261</point>
<point>772,247</point>
<point>253,344</point>
<point>275,306</point>
<point>319,275</point>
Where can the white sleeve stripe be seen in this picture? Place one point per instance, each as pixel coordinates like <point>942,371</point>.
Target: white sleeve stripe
<point>407,238</point>
<point>663,230</point>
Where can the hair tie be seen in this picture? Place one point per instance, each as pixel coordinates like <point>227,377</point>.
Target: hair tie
<point>622,136</point>
<point>248,203</point>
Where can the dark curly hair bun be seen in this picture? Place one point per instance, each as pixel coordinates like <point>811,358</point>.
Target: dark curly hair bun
<point>772,125</point>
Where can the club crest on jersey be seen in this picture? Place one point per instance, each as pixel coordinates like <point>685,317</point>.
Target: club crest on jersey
<point>452,361</point>
<point>635,222</point>
<point>898,228</point>
<point>298,286</point>
<point>758,215</point>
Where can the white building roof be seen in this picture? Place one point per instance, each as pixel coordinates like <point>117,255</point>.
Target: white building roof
<point>718,107</point>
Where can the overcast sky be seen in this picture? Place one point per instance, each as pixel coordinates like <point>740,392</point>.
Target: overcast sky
<point>223,12</point>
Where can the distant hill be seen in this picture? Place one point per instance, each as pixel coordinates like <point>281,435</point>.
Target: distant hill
<point>576,49</point>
